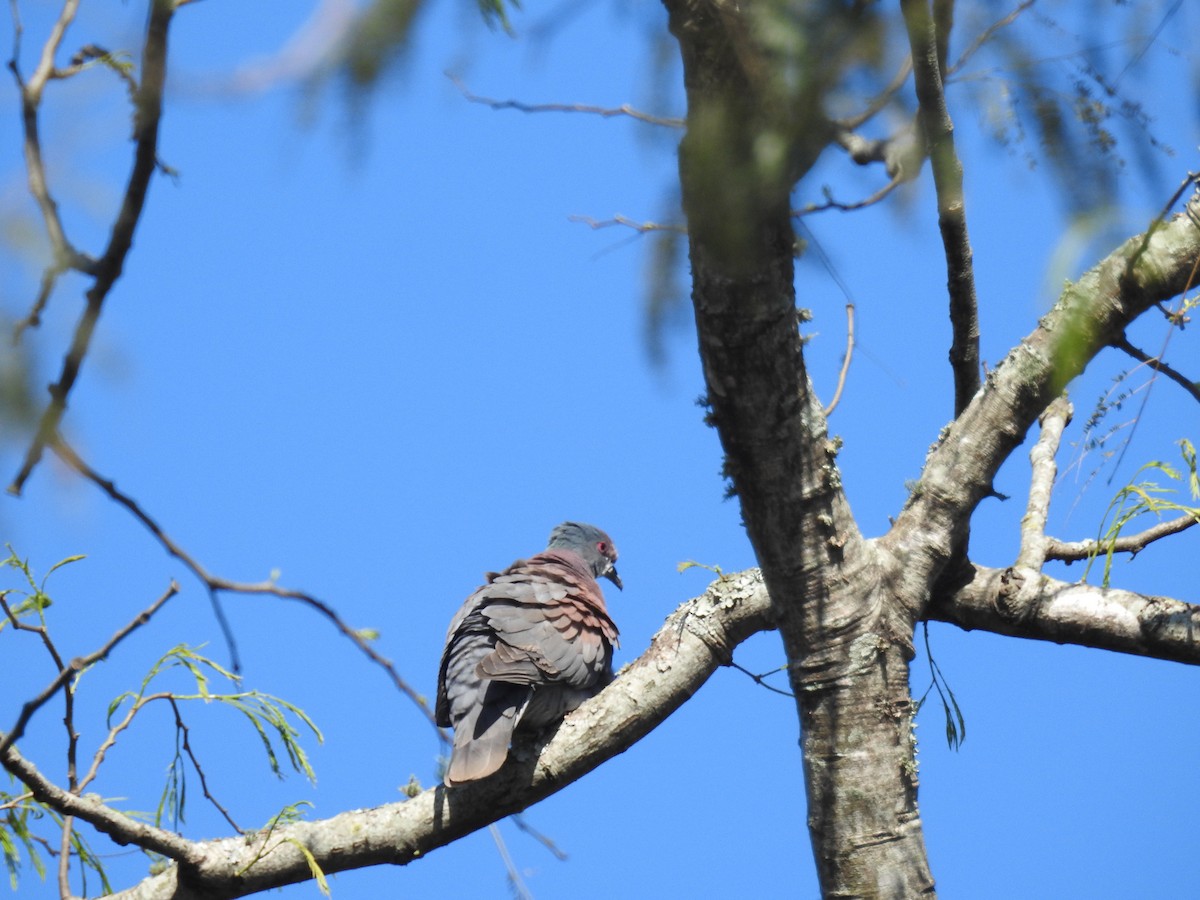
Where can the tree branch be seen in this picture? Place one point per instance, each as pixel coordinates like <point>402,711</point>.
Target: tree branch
<point>1073,551</point>
<point>1020,603</point>
<point>102,817</point>
<point>1156,363</point>
<point>1090,314</point>
<point>928,54</point>
<point>107,269</point>
<point>605,112</point>
<point>845,370</point>
<point>1033,525</point>
<point>694,641</point>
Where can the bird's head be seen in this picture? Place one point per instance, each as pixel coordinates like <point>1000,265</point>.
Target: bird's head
<point>594,545</point>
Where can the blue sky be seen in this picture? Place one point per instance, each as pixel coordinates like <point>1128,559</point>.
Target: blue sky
<point>364,346</point>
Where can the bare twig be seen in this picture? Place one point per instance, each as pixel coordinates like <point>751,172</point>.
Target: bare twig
<point>927,53</point>
<point>1033,526</point>
<point>602,111</point>
<point>16,802</point>
<point>49,279</point>
<point>761,680</point>
<point>515,881</point>
<point>115,731</point>
<point>187,748</point>
<point>519,820</point>
<point>850,207</point>
<point>63,253</point>
<point>1156,363</point>
<point>625,221</point>
<point>986,35</point>
<point>841,382</point>
<point>107,269</point>
<point>880,101</point>
<point>215,583</point>
<point>1072,551</point>
<point>78,664</point>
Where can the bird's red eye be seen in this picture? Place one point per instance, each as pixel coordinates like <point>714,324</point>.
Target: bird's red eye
<point>602,547</point>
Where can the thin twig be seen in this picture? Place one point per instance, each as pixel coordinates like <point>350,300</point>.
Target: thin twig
<point>115,731</point>
<point>515,881</point>
<point>187,748</point>
<point>1072,551</point>
<point>518,819</point>
<point>625,221</point>
<point>605,112</point>
<point>850,207</point>
<point>1156,363</point>
<point>78,664</point>
<point>761,679</point>
<point>878,103</point>
<point>216,583</point>
<point>18,801</point>
<point>841,382</point>
<point>986,35</point>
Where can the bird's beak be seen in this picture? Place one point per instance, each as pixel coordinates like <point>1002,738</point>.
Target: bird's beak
<point>612,576</point>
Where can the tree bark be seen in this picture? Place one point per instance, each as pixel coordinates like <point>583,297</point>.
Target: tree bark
<point>846,637</point>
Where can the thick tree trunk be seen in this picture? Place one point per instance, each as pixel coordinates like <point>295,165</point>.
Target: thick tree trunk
<point>847,637</point>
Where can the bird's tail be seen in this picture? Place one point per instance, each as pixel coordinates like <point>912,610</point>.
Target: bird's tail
<point>481,737</point>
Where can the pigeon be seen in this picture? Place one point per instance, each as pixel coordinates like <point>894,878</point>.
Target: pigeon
<point>526,648</point>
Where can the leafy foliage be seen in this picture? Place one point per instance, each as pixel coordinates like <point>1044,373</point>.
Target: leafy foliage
<point>35,601</point>
<point>279,724</point>
<point>956,725</point>
<point>1139,498</point>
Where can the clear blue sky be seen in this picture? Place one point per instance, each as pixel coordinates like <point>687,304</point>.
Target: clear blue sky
<point>365,347</point>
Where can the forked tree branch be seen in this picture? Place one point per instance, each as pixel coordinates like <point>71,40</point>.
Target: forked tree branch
<point>1090,314</point>
<point>107,269</point>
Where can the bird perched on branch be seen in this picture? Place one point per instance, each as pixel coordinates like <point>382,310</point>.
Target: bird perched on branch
<point>526,648</point>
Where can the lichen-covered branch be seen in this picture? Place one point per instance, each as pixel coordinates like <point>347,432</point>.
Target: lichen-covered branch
<point>1090,315</point>
<point>694,641</point>
<point>1044,469</point>
<point>1025,604</point>
<point>1073,551</point>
